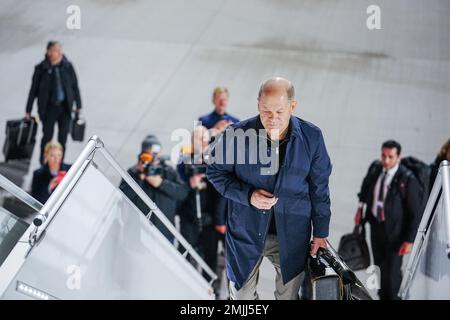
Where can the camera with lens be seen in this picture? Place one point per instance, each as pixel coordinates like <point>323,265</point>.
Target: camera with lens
<point>153,170</point>
<point>193,165</point>
<point>194,169</point>
<point>152,167</point>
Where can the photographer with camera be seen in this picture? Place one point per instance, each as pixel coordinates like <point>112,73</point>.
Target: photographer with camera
<point>158,180</point>
<point>198,211</point>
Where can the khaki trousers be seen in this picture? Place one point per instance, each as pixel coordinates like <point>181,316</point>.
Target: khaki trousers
<point>289,291</point>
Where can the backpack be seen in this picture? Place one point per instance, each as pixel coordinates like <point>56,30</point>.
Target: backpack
<point>421,172</point>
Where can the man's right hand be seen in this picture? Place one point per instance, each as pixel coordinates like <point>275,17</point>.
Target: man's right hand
<point>222,125</point>
<point>262,199</point>
<point>27,116</point>
<point>358,216</point>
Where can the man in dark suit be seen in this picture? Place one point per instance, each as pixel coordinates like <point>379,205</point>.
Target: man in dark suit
<point>274,207</point>
<point>55,86</point>
<point>391,193</point>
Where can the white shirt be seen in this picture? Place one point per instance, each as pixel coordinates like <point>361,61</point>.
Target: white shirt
<point>387,182</point>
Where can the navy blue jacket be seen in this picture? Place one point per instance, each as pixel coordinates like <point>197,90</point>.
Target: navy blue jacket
<point>41,181</point>
<point>301,185</point>
<point>211,119</point>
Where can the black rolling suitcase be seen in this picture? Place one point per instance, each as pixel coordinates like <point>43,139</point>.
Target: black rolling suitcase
<point>20,139</point>
<point>78,127</point>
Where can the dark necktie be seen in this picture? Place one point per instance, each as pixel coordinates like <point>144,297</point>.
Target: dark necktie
<point>380,200</point>
<point>59,89</point>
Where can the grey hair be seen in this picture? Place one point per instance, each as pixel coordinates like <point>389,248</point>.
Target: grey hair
<point>289,89</point>
<point>53,43</point>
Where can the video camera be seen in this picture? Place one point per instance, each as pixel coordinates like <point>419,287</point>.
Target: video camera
<point>151,166</point>
<point>153,170</point>
<point>194,169</point>
<point>194,165</point>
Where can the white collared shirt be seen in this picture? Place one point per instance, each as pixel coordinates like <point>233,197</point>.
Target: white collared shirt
<point>387,182</point>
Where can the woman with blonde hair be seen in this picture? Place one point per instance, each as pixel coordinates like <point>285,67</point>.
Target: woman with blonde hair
<point>444,154</point>
<point>47,178</point>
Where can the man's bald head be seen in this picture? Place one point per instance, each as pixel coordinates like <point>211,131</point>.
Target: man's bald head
<point>276,86</point>
<point>276,103</point>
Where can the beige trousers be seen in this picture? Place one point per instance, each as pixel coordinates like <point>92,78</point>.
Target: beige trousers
<point>289,291</point>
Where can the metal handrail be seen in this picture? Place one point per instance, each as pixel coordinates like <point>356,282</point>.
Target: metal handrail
<point>445,171</point>
<point>48,211</point>
<point>155,210</point>
<point>441,183</point>
<point>53,204</point>
<point>19,193</point>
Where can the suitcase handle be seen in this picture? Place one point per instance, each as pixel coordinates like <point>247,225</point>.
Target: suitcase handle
<point>19,136</point>
<point>359,229</point>
<point>76,115</point>
<point>30,133</point>
<point>24,121</point>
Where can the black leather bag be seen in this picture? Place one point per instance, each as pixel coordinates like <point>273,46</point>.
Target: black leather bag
<point>353,249</point>
<point>325,283</point>
<point>329,278</point>
<point>78,127</point>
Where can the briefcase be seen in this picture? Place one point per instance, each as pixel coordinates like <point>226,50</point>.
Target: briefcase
<point>353,249</point>
<point>78,127</point>
<point>20,139</point>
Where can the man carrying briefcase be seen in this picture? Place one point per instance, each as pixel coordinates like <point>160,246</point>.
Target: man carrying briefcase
<point>55,86</point>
